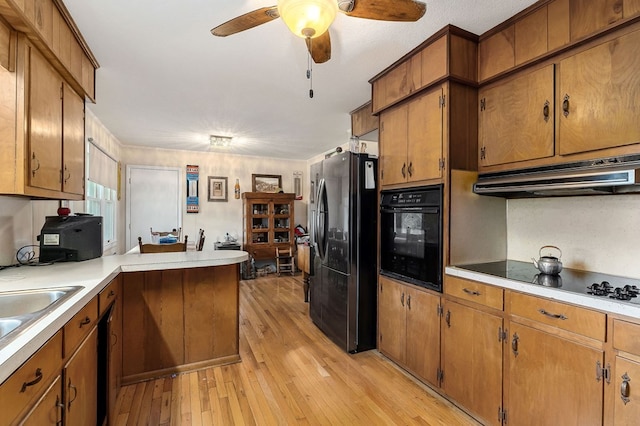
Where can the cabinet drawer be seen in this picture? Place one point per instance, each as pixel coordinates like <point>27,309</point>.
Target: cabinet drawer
<point>474,291</point>
<point>30,380</point>
<point>626,336</point>
<point>108,295</point>
<point>567,317</point>
<point>79,326</point>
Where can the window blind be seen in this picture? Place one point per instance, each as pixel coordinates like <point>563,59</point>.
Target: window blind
<point>102,168</point>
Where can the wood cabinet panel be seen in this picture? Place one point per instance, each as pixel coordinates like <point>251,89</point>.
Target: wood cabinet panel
<point>109,294</point>
<point>552,380</point>
<point>472,360</point>
<point>473,291</point>
<point>433,61</point>
<point>496,53</point>
<point>27,383</point>
<point>424,145</point>
<point>79,326</point>
<point>558,24</point>
<point>73,142</point>
<point>598,93</point>
<point>211,299</point>
<point>363,121</point>
<point>81,384</point>
<point>463,58</point>
<point>48,410</point>
<point>44,123</point>
<point>393,144</point>
<point>391,319</point>
<point>531,36</point>
<point>626,410</point>
<point>423,335</point>
<point>587,17</point>
<point>5,46</point>
<point>626,336</point>
<point>561,315</point>
<point>153,310</point>
<point>630,8</point>
<point>43,19</point>
<point>513,125</point>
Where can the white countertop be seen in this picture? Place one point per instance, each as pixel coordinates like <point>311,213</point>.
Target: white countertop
<point>602,304</point>
<point>93,275</point>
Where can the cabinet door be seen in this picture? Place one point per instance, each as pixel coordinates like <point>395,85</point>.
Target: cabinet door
<point>626,375</point>
<point>424,147</point>
<point>282,222</point>
<point>81,384</point>
<point>598,98</point>
<point>552,380</point>
<point>48,410</point>
<point>114,357</point>
<point>44,123</point>
<point>423,335</point>
<point>391,319</point>
<point>472,360</point>
<point>73,142</point>
<point>516,119</point>
<point>393,145</point>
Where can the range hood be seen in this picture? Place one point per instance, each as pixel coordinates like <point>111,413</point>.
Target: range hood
<point>616,175</point>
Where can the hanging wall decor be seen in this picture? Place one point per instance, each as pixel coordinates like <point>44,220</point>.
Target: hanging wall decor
<point>192,189</point>
<point>217,188</point>
<point>297,185</point>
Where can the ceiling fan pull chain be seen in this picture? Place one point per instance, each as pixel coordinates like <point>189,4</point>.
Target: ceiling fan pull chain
<point>310,68</point>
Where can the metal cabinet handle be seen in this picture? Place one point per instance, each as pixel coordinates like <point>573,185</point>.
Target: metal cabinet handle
<point>409,301</point>
<point>447,318</point>
<point>404,168</point>
<point>35,381</point>
<point>402,299</point>
<point>85,321</point>
<point>550,315</point>
<point>59,405</point>
<point>545,111</point>
<point>67,175</point>
<point>625,390</point>
<point>75,394</point>
<point>514,344</point>
<point>410,169</point>
<point>565,105</point>
<point>35,160</point>
<point>111,294</point>
<point>471,292</point>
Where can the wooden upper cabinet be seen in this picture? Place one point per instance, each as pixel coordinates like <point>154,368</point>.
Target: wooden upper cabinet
<point>363,121</point>
<point>397,84</point>
<point>587,17</point>
<point>496,53</point>
<point>433,61</point>
<point>531,36</point>
<point>557,24</point>
<point>598,96</point>
<point>516,119</point>
<point>73,142</point>
<point>631,8</point>
<point>424,148</point>
<point>393,145</point>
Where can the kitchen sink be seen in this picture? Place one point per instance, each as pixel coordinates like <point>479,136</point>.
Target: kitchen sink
<point>21,309</point>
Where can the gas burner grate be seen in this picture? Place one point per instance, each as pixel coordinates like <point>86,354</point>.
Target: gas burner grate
<point>627,292</point>
<point>600,289</point>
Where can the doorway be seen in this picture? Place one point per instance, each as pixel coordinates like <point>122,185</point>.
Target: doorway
<point>153,201</point>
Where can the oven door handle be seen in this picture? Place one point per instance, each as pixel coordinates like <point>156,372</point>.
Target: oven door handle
<point>426,210</point>
<point>321,220</point>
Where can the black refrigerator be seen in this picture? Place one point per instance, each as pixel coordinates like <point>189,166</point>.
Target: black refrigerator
<point>343,294</point>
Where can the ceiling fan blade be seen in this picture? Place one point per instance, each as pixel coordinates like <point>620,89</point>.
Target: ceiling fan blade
<point>246,21</point>
<point>320,48</point>
<point>384,10</point>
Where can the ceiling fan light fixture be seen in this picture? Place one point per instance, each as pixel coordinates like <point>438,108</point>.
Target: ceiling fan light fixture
<point>308,18</point>
<point>222,141</point>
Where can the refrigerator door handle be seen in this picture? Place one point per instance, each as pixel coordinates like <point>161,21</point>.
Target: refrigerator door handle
<point>321,220</point>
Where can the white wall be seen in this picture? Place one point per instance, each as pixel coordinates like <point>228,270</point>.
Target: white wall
<point>595,233</point>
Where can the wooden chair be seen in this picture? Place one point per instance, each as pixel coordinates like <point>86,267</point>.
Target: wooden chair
<point>200,242</point>
<point>162,248</point>
<point>284,261</point>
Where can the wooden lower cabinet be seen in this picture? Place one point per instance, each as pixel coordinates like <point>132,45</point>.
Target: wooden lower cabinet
<point>409,328</point>
<point>552,380</point>
<point>49,409</point>
<point>472,360</point>
<point>179,319</point>
<point>81,383</point>
<point>625,379</point>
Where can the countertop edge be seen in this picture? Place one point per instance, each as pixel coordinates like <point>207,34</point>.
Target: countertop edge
<point>93,275</point>
<point>608,306</point>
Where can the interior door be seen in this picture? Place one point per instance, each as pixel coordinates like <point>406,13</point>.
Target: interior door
<point>153,201</point>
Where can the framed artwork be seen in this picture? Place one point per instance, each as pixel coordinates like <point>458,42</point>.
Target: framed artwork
<point>217,188</point>
<point>266,183</point>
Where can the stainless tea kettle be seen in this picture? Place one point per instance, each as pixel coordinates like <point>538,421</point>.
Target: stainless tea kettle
<point>550,265</point>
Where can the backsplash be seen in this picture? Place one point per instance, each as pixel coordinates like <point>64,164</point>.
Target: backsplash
<point>595,233</point>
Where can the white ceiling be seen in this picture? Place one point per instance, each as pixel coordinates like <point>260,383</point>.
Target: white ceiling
<point>165,81</point>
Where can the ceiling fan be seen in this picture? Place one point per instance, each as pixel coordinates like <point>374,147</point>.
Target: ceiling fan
<point>310,19</point>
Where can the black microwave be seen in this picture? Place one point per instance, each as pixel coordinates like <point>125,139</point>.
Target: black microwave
<point>411,235</point>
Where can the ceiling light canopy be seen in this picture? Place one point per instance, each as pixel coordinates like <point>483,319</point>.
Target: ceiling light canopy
<point>216,140</point>
<point>308,18</point>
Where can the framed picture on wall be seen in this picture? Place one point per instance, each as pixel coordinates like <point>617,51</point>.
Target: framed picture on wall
<point>217,188</point>
<point>266,183</point>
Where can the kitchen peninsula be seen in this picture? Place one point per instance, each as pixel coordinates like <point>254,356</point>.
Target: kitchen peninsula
<point>189,296</point>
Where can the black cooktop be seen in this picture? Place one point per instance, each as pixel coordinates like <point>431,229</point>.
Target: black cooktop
<point>572,280</point>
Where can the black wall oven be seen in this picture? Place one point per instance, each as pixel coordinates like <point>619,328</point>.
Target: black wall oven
<point>411,235</point>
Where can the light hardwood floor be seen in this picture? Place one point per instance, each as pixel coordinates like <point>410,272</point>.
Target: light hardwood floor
<point>290,373</point>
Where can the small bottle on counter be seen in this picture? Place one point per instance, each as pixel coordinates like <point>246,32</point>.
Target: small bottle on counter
<point>237,189</point>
